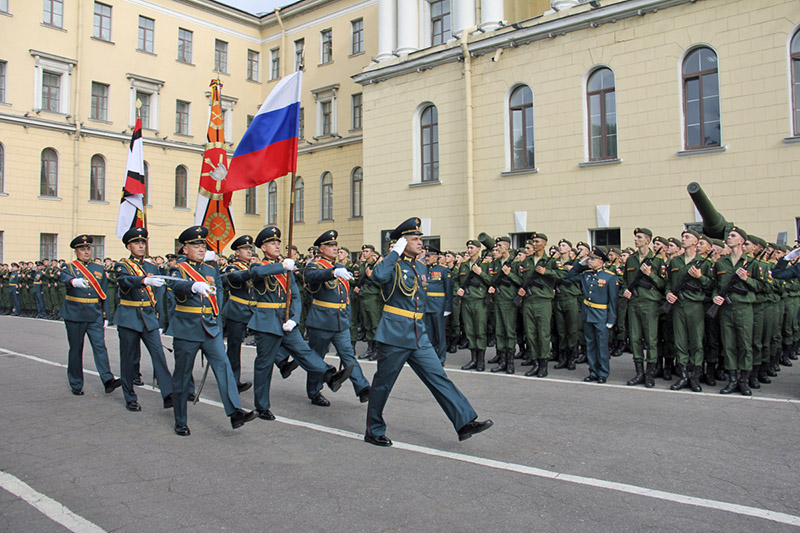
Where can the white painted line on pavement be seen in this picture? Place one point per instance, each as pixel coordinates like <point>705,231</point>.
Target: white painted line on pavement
<point>53,510</point>
<point>745,510</point>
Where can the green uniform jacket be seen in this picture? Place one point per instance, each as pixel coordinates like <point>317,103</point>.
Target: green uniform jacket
<point>547,280</point>
<point>724,270</point>
<point>478,284</point>
<point>696,289</point>
<point>656,280</point>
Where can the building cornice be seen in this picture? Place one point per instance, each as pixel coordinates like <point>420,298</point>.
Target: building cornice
<point>510,37</point>
<point>310,148</point>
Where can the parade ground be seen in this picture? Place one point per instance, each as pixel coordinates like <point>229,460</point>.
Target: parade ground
<point>563,455</point>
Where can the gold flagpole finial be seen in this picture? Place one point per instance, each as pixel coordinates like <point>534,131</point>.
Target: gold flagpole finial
<point>138,108</point>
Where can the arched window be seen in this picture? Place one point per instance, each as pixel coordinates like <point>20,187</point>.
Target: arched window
<point>520,109</point>
<point>701,99</point>
<point>272,203</point>
<point>326,197</point>
<point>2,167</point>
<point>429,134</point>
<point>299,199</point>
<point>250,201</point>
<point>49,175</point>
<point>97,185</point>
<point>356,183</point>
<point>181,184</point>
<point>146,198</point>
<point>602,105</point>
<point>796,82</point>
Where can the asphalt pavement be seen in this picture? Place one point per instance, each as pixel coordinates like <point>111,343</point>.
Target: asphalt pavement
<point>563,455</point>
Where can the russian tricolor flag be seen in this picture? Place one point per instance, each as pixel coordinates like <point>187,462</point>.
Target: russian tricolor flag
<point>268,149</point>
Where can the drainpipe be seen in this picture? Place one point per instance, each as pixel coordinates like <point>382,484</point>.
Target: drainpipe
<point>470,136</point>
<point>288,185</point>
<point>76,117</point>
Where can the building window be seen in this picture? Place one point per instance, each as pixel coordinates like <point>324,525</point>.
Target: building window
<point>326,197</point>
<point>602,105</point>
<point>144,111</point>
<point>440,22</point>
<point>182,117</point>
<point>521,119</point>
<point>795,82</point>
<point>701,99</point>
<point>357,42</point>
<point>272,203</point>
<point>98,247</point>
<point>606,237</point>
<point>145,90</point>
<point>48,185</point>
<point>146,198</point>
<point>356,192</point>
<point>301,124</point>
<point>274,63</point>
<point>3,9</point>
<point>252,65</point>
<point>51,92</point>
<point>54,13</point>
<point>250,201</point>
<point>2,168</point>
<point>48,246</point>
<point>146,32</point>
<point>99,109</point>
<point>299,54</point>
<point>102,21</point>
<point>2,81</point>
<point>326,48</point>
<point>184,46</point>
<point>181,185</point>
<point>220,56</point>
<point>325,109</point>
<point>299,199</point>
<point>429,134</point>
<point>97,183</point>
<point>357,111</point>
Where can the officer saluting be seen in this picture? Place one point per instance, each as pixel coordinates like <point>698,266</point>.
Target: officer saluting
<point>402,337</point>
<point>84,313</point>
<point>137,321</point>
<point>194,326</point>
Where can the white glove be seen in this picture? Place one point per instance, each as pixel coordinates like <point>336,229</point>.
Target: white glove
<point>210,256</point>
<point>447,313</point>
<point>105,324</point>
<point>80,283</point>
<point>400,245</point>
<point>160,331</point>
<point>201,287</point>
<point>609,326</point>
<point>288,325</point>
<point>791,255</point>
<point>584,261</point>
<point>154,282</point>
<point>288,264</point>
<point>342,273</point>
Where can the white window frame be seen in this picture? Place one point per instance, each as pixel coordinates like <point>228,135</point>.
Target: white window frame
<point>224,51</point>
<point>191,46</point>
<point>274,55</point>
<point>188,131</point>
<point>144,43</point>
<point>254,74</point>
<point>416,143</point>
<point>110,21</point>
<point>146,85</point>
<point>330,94</point>
<point>299,46</point>
<point>53,64</point>
<point>322,46</point>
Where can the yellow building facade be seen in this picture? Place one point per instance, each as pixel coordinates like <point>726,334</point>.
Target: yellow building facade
<point>71,72</point>
<point>585,121</point>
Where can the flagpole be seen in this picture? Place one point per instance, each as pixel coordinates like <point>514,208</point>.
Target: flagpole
<point>144,205</point>
<point>289,246</point>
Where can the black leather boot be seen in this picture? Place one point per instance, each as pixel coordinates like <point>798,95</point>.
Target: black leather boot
<point>733,383</point>
<point>451,345</point>
<point>367,354</point>
<point>694,378</point>
<point>510,362</point>
<point>795,350</point>
<point>785,356</point>
<point>617,351</point>
<point>762,373</point>
<point>582,359</point>
<point>542,373</point>
<point>571,356</point>
<point>498,358</point>
<point>773,362</point>
<point>683,382</point>
<point>649,378</point>
<point>534,369</point>
<point>562,360</point>
<point>480,364</point>
<point>711,370</point>
<point>472,362</point>
<point>667,373</point>
<point>638,379</point>
<point>462,342</point>
<point>501,360</point>
<point>721,375</point>
<point>744,379</point>
<point>374,348</point>
<point>753,377</point>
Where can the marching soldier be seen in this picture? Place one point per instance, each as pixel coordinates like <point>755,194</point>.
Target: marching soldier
<point>403,338</point>
<point>439,301</point>
<point>238,309</point>
<point>84,313</point>
<point>136,320</point>
<point>471,284</point>
<point>195,325</point>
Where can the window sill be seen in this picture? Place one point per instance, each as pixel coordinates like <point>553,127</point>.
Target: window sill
<point>146,52</point>
<point>258,82</point>
<point>356,218</point>
<point>522,172</point>
<point>3,194</point>
<point>46,25</point>
<point>325,64</point>
<point>424,184</point>
<point>356,54</point>
<point>6,13</point>
<point>600,162</point>
<point>185,63</point>
<point>98,39</point>
<point>5,104</point>
<point>324,137</point>
<point>252,215</point>
<point>324,220</point>
<point>100,121</point>
<point>299,222</point>
<point>56,198</point>
<point>703,151</point>
<point>274,79</point>
<point>98,202</point>
<point>792,140</point>
<point>178,208</point>
<point>355,130</point>
<point>185,135</point>
<point>220,73</point>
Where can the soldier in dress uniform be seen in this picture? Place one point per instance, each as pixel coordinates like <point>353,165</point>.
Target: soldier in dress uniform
<point>84,314</point>
<point>238,308</point>
<point>439,303</point>
<point>195,326</point>
<point>273,284</point>
<point>471,283</point>
<point>38,277</point>
<point>328,320</point>
<point>538,290</point>
<point>13,289</point>
<point>598,311</point>
<point>369,302</point>
<point>402,338</point>
<point>504,287</point>
<point>566,310</point>
<point>136,319</point>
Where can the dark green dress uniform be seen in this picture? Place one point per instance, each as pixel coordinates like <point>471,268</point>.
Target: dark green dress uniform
<point>402,338</point>
<point>5,297</point>
<point>84,311</point>
<point>537,308</point>
<point>785,273</point>
<point>238,309</point>
<point>566,312</point>
<point>195,325</point>
<point>439,301</point>
<point>13,289</point>
<point>369,303</point>
<point>506,286</point>
<point>38,281</point>
<point>473,308</point>
<point>137,323</point>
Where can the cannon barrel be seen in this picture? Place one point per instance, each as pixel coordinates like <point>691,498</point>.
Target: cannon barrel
<point>486,240</point>
<point>714,224</point>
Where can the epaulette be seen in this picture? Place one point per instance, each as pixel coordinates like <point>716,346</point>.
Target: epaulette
<point>607,271</point>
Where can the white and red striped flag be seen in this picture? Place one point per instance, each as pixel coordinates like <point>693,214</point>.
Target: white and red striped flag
<point>131,206</point>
